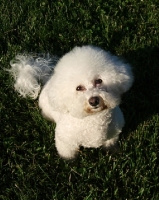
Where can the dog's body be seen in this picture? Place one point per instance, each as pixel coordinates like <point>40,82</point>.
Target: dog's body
<point>100,129</point>
<point>81,96</point>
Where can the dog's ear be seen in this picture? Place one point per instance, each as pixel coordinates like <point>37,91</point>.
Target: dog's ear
<point>118,74</point>
<point>51,100</point>
<point>124,77</point>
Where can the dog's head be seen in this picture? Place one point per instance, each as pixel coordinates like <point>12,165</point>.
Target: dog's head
<point>88,80</point>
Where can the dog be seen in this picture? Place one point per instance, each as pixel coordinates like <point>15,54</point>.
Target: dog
<point>81,93</point>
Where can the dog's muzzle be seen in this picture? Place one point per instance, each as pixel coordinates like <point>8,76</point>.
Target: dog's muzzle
<point>95,104</point>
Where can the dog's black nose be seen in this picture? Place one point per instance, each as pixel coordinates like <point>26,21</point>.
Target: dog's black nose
<point>94,101</point>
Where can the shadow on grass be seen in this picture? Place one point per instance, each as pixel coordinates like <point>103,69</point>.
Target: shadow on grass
<point>3,46</point>
<point>142,101</point>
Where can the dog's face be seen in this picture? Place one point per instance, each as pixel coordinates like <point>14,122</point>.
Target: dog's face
<point>88,80</point>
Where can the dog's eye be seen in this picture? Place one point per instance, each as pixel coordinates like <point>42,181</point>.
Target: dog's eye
<point>98,81</point>
<point>80,88</point>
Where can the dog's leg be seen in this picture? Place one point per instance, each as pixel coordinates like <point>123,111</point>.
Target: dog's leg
<point>66,150</point>
<point>111,144</point>
<point>114,129</point>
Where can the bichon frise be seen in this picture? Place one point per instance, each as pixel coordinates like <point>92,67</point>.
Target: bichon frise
<point>81,93</point>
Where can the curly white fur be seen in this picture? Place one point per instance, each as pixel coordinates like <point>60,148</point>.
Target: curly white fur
<point>82,96</point>
<point>30,72</point>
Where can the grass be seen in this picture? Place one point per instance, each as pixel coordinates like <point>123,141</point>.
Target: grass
<point>30,166</point>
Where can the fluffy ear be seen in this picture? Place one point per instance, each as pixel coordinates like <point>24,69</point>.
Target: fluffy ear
<point>124,77</point>
<point>118,74</point>
<point>45,105</point>
<point>51,99</point>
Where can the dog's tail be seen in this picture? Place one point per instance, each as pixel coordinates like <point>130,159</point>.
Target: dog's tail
<point>30,72</point>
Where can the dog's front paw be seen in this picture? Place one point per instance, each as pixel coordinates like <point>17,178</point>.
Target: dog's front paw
<point>111,145</point>
<point>66,151</point>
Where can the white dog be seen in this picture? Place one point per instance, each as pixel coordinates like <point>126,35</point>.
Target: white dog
<point>81,95</point>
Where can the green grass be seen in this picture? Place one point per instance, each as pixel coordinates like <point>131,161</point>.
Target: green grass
<point>30,166</point>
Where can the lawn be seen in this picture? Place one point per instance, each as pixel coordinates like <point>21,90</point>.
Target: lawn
<point>30,166</point>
